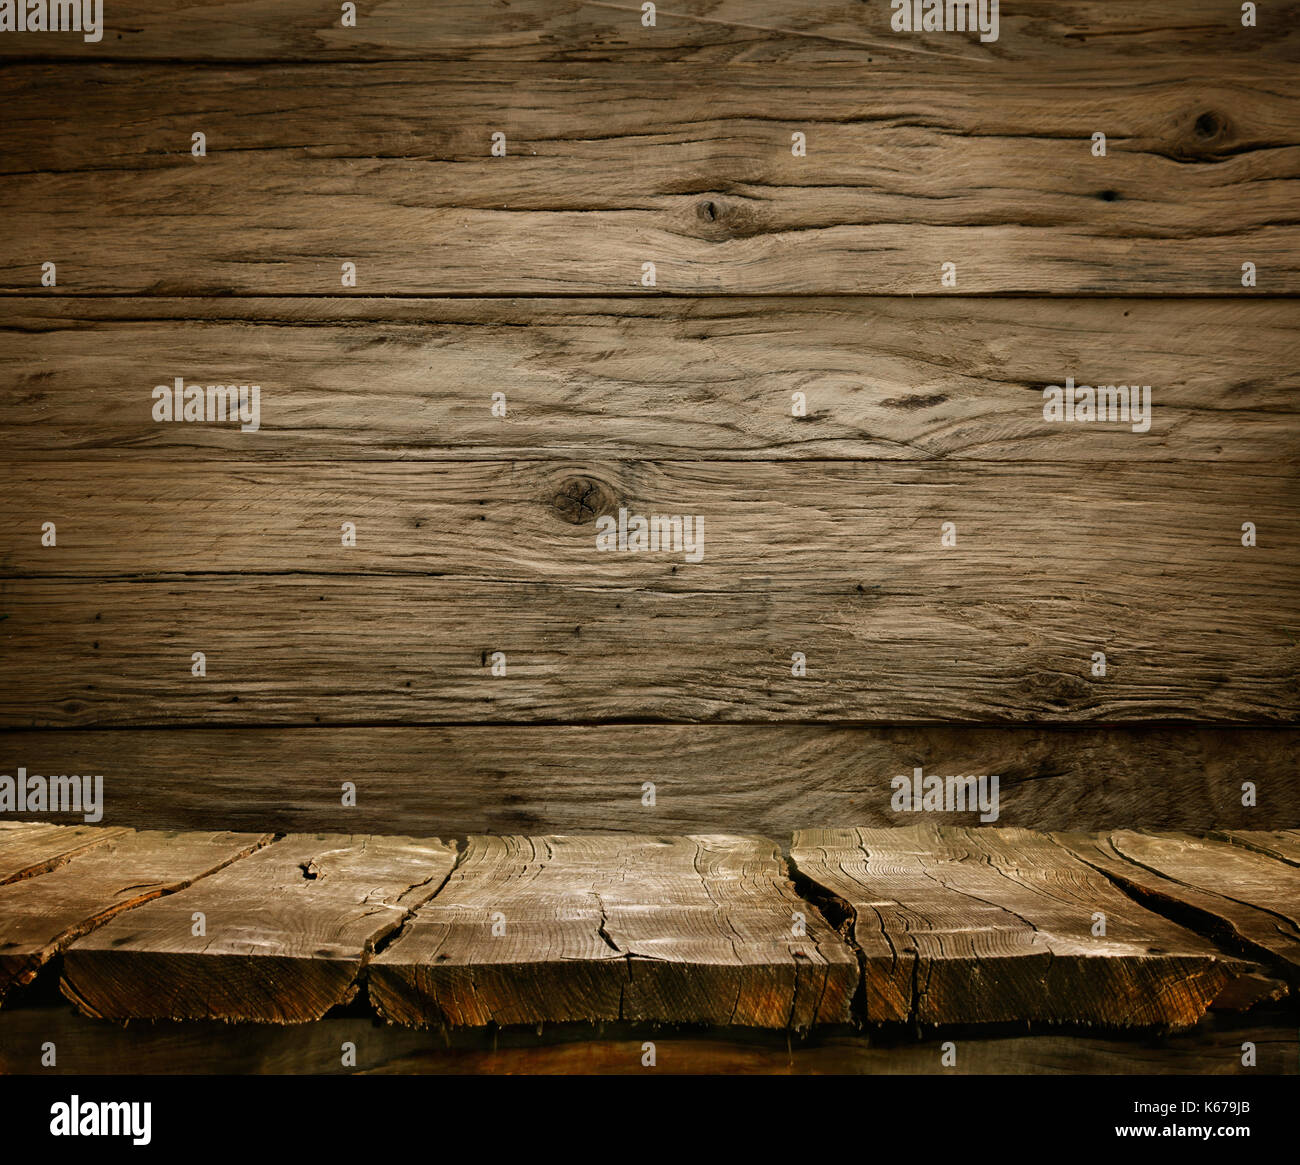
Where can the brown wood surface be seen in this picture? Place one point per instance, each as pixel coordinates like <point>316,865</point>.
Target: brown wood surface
<point>698,929</point>
<point>288,931</point>
<point>994,925</point>
<point>40,916</point>
<point>690,380</point>
<point>776,274</point>
<point>707,33</point>
<point>92,1047</point>
<point>375,649</point>
<point>1283,844</point>
<point>1166,536</point>
<point>1247,901</point>
<point>31,848</point>
<point>761,778</point>
<point>610,166</point>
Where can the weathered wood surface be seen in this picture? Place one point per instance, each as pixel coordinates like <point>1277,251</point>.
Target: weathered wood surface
<point>703,929</point>
<point>1210,647</point>
<point>1025,533</point>
<point>996,925</point>
<point>712,33</point>
<point>697,380</point>
<point>948,926</point>
<point>1282,844</point>
<point>287,932</point>
<point>1247,901</point>
<point>709,778</point>
<point>31,848</point>
<point>609,167</point>
<point>40,916</point>
<point>91,1047</point>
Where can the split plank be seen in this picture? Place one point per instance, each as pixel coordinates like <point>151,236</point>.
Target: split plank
<point>41,916</point>
<point>31,848</point>
<point>378,649</point>
<point>768,779</point>
<point>710,33</point>
<point>1164,537</point>
<point>996,925</point>
<point>608,167</point>
<point>288,931</point>
<point>886,379</point>
<point>698,929</point>
<point>1282,844</point>
<point>1246,901</point>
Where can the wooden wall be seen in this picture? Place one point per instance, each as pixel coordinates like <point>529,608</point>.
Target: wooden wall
<point>775,275</point>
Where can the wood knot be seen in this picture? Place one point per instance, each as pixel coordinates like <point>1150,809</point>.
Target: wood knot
<point>580,500</point>
<point>1208,125</point>
<point>707,210</point>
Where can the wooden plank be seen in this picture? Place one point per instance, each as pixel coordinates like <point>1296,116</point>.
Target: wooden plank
<point>375,649</point>
<point>1247,901</point>
<point>40,916</point>
<point>709,33</point>
<point>1282,844</point>
<point>759,778</point>
<point>288,931</point>
<point>702,929</point>
<point>890,379</point>
<point>996,925</point>
<point>609,167</point>
<point>88,1047</point>
<point>36,847</point>
<point>1024,532</point>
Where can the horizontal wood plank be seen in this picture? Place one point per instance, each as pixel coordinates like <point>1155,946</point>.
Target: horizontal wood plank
<point>31,848</point>
<point>709,33</point>
<point>287,932</point>
<point>1163,538</point>
<point>998,925</point>
<point>379,649</point>
<point>41,916</point>
<point>760,778</point>
<point>889,379</point>
<point>1248,901</point>
<point>703,929</point>
<point>608,168</point>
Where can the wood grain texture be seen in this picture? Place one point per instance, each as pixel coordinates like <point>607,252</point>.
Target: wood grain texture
<point>1282,844</point>
<point>40,916</point>
<point>288,931</point>
<point>708,33</point>
<point>377,649</point>
<point>698,929</point>
<point>31,848</point>
<point>704,379</point>
<point>91,1047</point>
<point>995,925</point>
<point>1247,901</point>
<point>1166,536</point>
<point>770,779</point>
<point>608,167</point>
